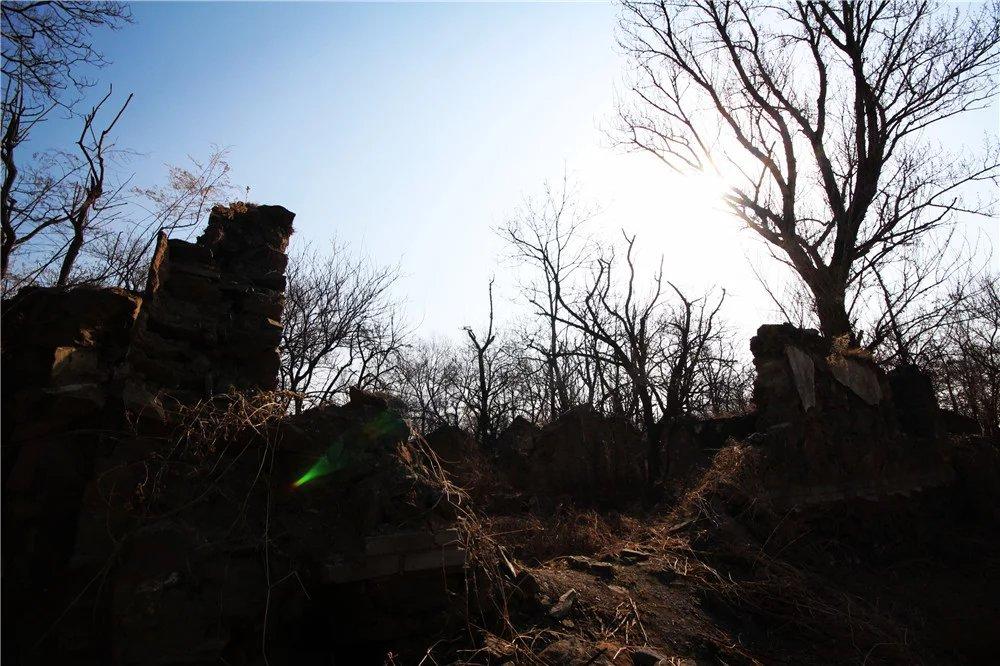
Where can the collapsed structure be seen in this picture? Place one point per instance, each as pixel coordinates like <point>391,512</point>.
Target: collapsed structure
<point>150,515</point>
<point>161,506</point>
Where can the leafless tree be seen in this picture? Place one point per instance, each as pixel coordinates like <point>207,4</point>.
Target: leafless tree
<point>429,377</point>
<point>60,195</point>
<point>47,43</point>
<point>696,357</point>
<point>918,293</point>
<point>87,197</point>
<point>819,113</point>
<point>337,307</point>
<point>628,327</point>
<point>487,385</point>
<point>119,256</point>
<point>965,356</point>
<point>66,199</point>
<point>547,234</point>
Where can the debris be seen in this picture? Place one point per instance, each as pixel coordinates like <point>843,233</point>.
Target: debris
<point>562,607</point>
<point>629,555</point>
<point>645,656</point>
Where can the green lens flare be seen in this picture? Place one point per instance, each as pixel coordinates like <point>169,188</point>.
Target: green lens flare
<point>321,467</point>
<point>337,457</point>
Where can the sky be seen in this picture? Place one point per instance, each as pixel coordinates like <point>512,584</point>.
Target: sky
<point>412,131</point>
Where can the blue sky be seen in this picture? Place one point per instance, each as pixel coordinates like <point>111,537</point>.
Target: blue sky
<point>411,130</point>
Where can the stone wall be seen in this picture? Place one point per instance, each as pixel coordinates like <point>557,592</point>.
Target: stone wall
<point>211,320</point>
<point>828,423</point>
<point>80,366</point>
<point>583,454</point>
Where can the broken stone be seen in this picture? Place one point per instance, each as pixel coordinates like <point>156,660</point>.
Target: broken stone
<point>858,377</point>
<point>804,375</point>
<point>561,608</point>
<point>645,656</point>
<point>581,563</point>
<point>629,555</point>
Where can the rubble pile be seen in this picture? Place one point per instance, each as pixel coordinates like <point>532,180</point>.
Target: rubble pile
<point>162,506</point>
<point>159,504</point>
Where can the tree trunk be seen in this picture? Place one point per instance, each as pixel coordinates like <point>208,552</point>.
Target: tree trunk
<point>71,254</point>
<point>653,430</point>
<point>832,311</point>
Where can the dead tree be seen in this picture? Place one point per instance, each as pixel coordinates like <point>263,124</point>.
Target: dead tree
<point>45,47</point>
<point>47,44</point>
<point>965,355</point>
<point>548,236</point>
<point>87,199</point>
<point>428,376</point>
<point>333,303</point>
<point>693,346</point>
<point>817,112</point>
<point>629,330</point>
<point>487,384</point>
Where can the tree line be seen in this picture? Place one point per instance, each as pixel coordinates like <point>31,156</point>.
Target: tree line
<point>821,116</point>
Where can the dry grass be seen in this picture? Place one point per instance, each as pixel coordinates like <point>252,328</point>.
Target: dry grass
<point>567,531</point>
<point>233,209</point>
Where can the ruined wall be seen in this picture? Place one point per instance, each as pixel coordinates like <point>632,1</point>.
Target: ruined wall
<point>828,423</point>
<point>211,319</point>
<point>583,454</point>
<point>81,365</point>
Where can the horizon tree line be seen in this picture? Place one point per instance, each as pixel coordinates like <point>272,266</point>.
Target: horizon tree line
<point>818,114</point>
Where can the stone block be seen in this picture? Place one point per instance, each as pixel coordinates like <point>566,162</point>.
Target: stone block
<point>433,559</point>
<point>373,566</point>
<point>401,542</point>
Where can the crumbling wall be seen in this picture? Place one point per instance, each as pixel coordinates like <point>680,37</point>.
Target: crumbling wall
<point>83,368</point>
<point>582,454</point>
<point>211,321</point>
<point>828,422</point>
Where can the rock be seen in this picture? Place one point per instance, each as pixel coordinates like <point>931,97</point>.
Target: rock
<point>629,555</point>
<point>859,377</point>
<point>575,652</point>
<point>580,563</point>
<point>804,376</point>
<point>564,605</point>
<point>645,656</point>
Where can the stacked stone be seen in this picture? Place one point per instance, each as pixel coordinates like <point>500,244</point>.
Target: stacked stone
<point>829,422</point>
<point>212,318</point>
<point>584,454</point>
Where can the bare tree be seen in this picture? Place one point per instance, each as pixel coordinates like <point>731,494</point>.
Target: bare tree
<point>87,200</point>
<point>64,199</point>
<point>818,112</point>
<point>628,328</point>
<point>547,235</point>
<point>694,353</point>
<point>487,384</point>
<point>47,43</point>
<point>919,292</point>
<point>59,195</point>
<point>119,256</point>
<point>429,377</point>
<point>336,305</point>
<point>965,356</point>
